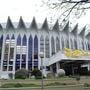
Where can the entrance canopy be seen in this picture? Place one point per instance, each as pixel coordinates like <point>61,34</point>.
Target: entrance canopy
<point>61,57</point>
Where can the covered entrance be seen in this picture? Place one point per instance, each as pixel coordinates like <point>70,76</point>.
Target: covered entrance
<point>74,67</point>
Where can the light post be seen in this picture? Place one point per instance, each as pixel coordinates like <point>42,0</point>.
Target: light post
<point>42,56</point>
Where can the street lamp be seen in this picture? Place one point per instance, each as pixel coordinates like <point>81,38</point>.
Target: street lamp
<point>41,56</point>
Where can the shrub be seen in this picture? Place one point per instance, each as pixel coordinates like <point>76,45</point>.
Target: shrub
<point>21,74</point>
<point>37,73</point>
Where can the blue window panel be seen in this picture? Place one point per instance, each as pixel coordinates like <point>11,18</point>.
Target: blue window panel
<point>36,47</point>
<point>7,37</point>
<point>35,63</point>
<point>13,37</point>
<point>30,48</point>
<point>24,40</point>
<point>19,40</point>
<point>30,43</point>
<point>17,64</point>
<point>23,60</point>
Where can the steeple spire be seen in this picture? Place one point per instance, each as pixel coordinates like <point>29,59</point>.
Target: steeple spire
<point>9,24</point>
<point>82,33</point>
<point>66,28</point>
<point>45,25</point>
<point>33,24</point>
<point>75,30</point>
<point>56,26</point>
<point>21,24</point>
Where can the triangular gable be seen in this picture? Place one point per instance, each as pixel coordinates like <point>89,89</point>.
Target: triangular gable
<point>82,33</point>
<point>45,25</point>
<point>21,24</point>
<point>9,24</point>
<point>56,26</point>
<point>66,28</point>
<point>33,24</point>
<point>75,30</point>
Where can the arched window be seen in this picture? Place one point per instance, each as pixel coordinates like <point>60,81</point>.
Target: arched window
<point>19,40</point>
<point>82,45</point>
<point>75,44</point>
<point>12,45</point>
<point>1,44</point>
<point>24,41</point>
<point>47,50</point>
<point>30,46</point>
<point>62,41</point>
<point>7,38</point>
<point>41,44</point>
<point>12,37</point>
<point>71,41</point>
<point>67,43</point>
<point>88,46</point>
<point>57,44</point>
<point>6,52</point>
<point>35,52</point>
<point>52,45</point>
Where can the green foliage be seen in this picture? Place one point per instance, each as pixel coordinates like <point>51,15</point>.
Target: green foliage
<point>37,73</point>
<point>21,74</point>
<point>86,85</point>
<point>78,78</point>
<point>12,85</point>
<point>56,84</point>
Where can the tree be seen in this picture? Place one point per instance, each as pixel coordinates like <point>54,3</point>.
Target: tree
<point>68,8</point>
<point>37,73</point>
<point>21,74</point>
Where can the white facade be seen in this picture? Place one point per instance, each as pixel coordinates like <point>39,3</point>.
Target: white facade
<point>21,44</point>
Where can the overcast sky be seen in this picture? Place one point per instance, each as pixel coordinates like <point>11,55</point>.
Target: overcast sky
<point>27,9</point>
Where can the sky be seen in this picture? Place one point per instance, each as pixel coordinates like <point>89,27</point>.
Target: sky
<point>29,8</point>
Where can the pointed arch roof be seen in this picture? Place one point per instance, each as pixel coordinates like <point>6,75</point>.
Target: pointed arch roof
<point>9,24</point>
<point>33,24</point>
<point>66,28</point>
<point>82,33</point>
<point>21,24</point>
<point>45,25</point>
<point>75,30</point>
<point>56,26</point>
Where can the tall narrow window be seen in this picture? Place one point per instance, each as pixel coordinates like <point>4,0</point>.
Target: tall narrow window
<point>19,40</point>
<point>30,44</point>
<point>67,43</point>
<point>23,60</point>
<point>57,44</point>
<point>53,45</point>
<point>1,44</point>
<point>47,48</point>
<point>18,53</point>
<point>75,43</point>
<point>6,53</point>
<point>13,37</point>
<point>62,40</point>
<point>17,63</point>
<point>24,40</point>
<point>41,44</point>
<point>82,45</point>
<point>36,52</point>
<point>71,43</point>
